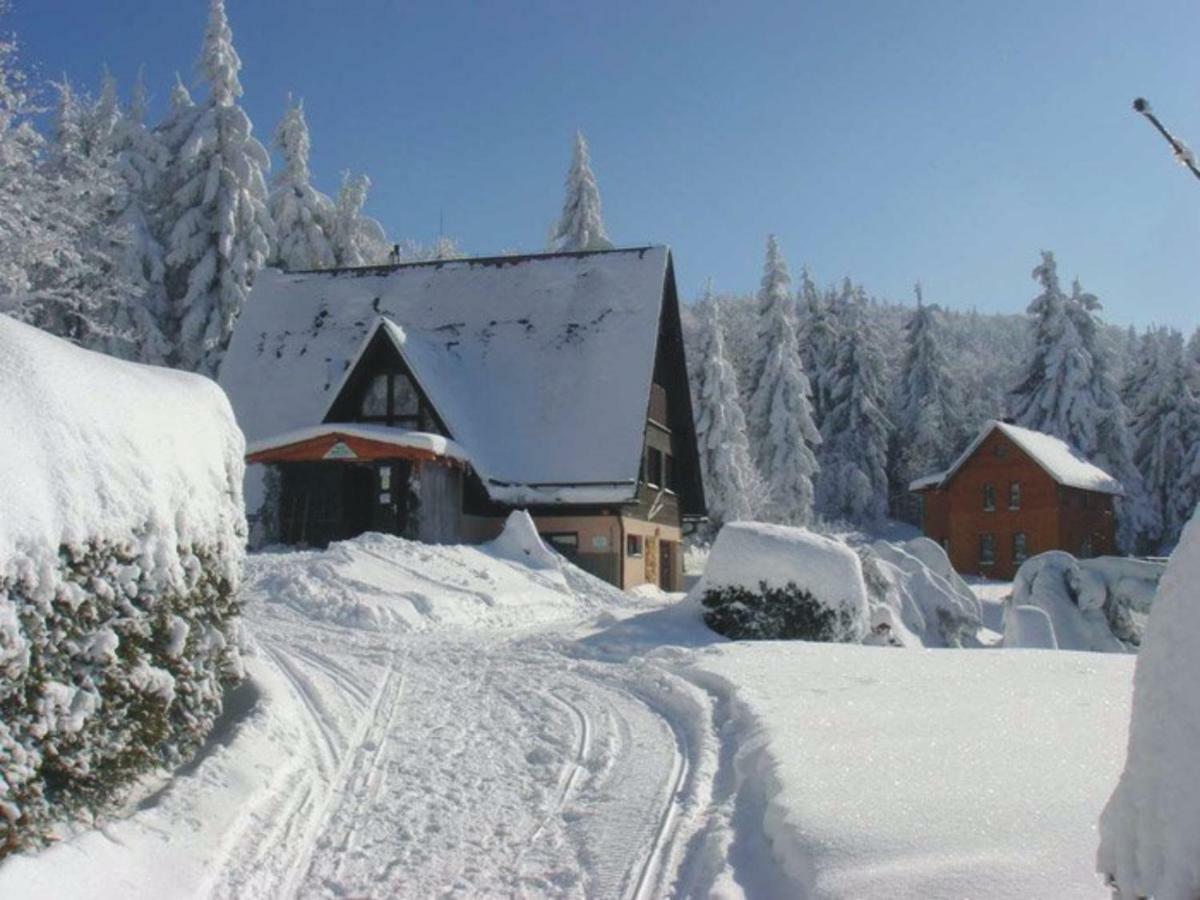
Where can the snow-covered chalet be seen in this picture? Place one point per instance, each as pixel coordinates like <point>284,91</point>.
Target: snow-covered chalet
<point>431,399</point>
<point>1014,493</point>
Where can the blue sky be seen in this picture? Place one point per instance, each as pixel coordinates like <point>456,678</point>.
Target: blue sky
<point>945,141</point>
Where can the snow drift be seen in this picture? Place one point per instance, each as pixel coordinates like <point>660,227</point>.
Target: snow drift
<point>1150,829</point>
<point>1093,604</point>
<point>755,558</point>
<point>916,597</point>
<point>121,533</point>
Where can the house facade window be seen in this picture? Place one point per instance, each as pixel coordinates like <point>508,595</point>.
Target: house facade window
<point>987,549</point>
<point>565,542</point>
<point>989,497</point>
<point>375,400</point>
<point>668,475</point>
<point>1020,547</point>
<point>1014,495</point>
<point>633,545</point>
<point>391,397</point>
<point>654,467</point>
<point>1086,551</point>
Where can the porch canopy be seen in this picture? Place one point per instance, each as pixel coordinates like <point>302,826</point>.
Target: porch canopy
<point>347,441</point>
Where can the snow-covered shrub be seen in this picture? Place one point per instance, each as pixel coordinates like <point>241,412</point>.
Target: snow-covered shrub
<point>1150,829</point>
<point>772,581</point>
<point>1029,628</point>
<point>916,598</point>
<point>121,541</point>
<point>1093,604</point>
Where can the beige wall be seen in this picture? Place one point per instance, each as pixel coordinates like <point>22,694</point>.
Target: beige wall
<point>635,567</point>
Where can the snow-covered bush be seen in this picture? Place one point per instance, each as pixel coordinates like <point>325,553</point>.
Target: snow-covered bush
<point>1150,829</point>
<point>772,581</point>
<point>1093,604</point>
<point>121,541</point>
<point>916,598</point>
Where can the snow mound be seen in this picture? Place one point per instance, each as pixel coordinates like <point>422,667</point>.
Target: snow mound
<point>1150,829</point>
<point>916,597</point>
<point>91,445</point>
<point>1093,604</point>
<point>746,554</point>
<point>383,582</point>
<point>1029,627</point>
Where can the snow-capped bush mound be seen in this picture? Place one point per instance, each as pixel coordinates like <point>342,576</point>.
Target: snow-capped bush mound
<point>520,542</point>
<point>753,566</point>
<point>1093,604</point>
<point>1150,829</point>
<point>916,597</point>
<point>121,541</point>
<point>1030,628</point>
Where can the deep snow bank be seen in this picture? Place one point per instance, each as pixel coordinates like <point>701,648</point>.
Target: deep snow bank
<point>378,581</point>
<point>940,773</point>
<point>1150,830</point>
<point>916,597</point>
<point>1093,604</point>
<point>121,532</point>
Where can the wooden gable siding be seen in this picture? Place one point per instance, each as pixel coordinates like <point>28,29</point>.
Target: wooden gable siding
<point>315,450</point>
<point>1049,515</point>
<point>379,358</point>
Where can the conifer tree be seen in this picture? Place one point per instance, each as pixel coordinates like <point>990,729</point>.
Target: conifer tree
<point>782,427</point>
<point>358,240</point>
<point>856,432</point>
<point>732,485</point>
<point>817,334</point>
<point>220,228</point>
<point>581,226</point>
<point>303,216</point>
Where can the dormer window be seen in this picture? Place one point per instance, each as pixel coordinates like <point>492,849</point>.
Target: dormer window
<point>391,397</point>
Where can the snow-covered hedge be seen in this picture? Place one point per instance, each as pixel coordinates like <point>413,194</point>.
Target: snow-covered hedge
<point>916,598</point>
<point>1150,829</point>
<point>121,542</point>
<point>772,581</point>
<point>1093,604</point>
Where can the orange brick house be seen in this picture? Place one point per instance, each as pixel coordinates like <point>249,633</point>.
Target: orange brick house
<point>1014,493</point>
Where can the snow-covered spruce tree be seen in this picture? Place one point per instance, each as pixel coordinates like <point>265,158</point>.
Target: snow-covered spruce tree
<point>581,226</point>
<point>358,240</point>
<point>732,485</point>
<point>1166,437</point>
<point>928,404</point>
<point>303,216</point>
<point>817,334</point>
<point>856,433</point>
<point>220,228</point>
<point>783,433</point>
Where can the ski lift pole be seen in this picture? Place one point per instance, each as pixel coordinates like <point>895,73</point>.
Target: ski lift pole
<point>1182,153</point>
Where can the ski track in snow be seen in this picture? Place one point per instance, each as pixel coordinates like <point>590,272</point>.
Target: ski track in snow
<point>468,764</point>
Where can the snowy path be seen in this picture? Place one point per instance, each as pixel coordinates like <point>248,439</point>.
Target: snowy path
<point>467,764</point>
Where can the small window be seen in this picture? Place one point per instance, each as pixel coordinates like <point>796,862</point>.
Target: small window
<point>565,542</point>
<point>375,400</point>
<point>989,497</point>
<point>1000,449</point>
<point>946,545</point>
<point>633,545</point>
<point>987,549</point>
<point>406,403</point>
<point>669,472</point>
<point>1020,548</point>
<point>1085,548</point>
<point>1014,495</point>
<point>654,467</point>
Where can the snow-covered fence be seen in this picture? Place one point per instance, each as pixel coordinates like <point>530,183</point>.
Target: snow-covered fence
<point>1093,604</point>
<point>121,543</point>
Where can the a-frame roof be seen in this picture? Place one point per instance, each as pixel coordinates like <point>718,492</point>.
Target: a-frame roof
<point>1062,462</point>
<point>540,366</point>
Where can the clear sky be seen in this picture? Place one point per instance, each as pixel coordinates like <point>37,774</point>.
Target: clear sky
<point>945,141</point>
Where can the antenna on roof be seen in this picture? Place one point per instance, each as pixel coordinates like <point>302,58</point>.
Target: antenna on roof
<point>441,223</point>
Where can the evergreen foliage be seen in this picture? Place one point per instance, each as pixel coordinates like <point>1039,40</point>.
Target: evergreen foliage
<point>581,225</point>
<point>357,239</point>
<point>303,216</point>
<point>789,613</point>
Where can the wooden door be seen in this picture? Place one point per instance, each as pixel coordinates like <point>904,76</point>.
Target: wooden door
<point>666,566</point>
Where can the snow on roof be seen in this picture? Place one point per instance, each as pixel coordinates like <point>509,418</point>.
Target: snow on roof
<point>540,366</point>
<point>927,481</point>
<point>1061,461</point>
<point>93,447</point>
<point>399,437</point>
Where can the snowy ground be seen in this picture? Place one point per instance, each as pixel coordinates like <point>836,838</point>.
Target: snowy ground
<point>428,721</point>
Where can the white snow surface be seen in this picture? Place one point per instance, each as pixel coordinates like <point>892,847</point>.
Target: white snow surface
<point>745,554</point>
<point>939,773</point>
<point>521,357</point>
<point>398,437</point>
<point>914,590</point>
<point>92,447</point>
<point>1062,462</point>
<point>1150,830</point>
<point>494,722</point>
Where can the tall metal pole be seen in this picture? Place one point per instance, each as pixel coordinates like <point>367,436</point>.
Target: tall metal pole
<point>1182,153</point>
